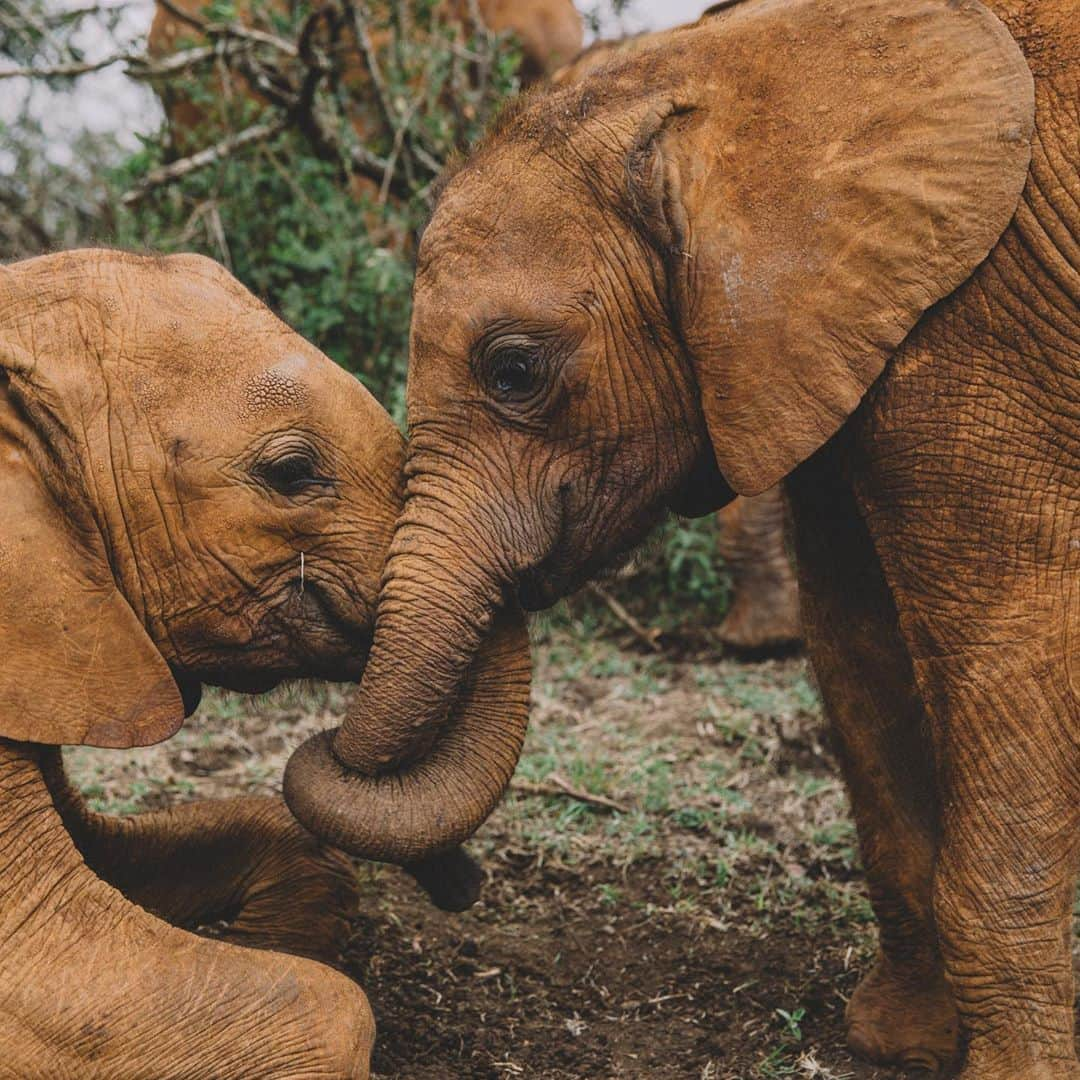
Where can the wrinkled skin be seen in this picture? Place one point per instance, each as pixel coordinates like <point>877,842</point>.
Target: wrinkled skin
<point>549,33</point>
<point>764,611</point>
<point>168,449</point>
<point>725,266</point>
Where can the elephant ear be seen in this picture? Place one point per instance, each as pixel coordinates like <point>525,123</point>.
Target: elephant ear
<point>76,665</point>
<point>847,164</point>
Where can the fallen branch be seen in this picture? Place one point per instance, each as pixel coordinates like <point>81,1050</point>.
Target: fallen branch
<point>210,156</point>
<point>646,636</point>
<point>560,787</point>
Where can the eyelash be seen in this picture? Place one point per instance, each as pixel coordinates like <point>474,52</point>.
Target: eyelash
<point>275,473</point>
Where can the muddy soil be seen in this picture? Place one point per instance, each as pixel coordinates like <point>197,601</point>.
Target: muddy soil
<point>710,926</point>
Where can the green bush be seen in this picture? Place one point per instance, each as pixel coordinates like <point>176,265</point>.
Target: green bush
<point>288,228</point>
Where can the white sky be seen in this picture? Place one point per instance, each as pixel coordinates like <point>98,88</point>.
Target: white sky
<point>109,101</point>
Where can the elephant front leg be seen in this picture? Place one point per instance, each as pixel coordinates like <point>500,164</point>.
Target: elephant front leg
<point>1004,885</point>
<point>94,986</point>
<point>902,1012</point>
<point>244,862</point>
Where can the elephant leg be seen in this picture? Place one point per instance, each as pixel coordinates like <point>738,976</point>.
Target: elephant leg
<point>765,598</point>
<point>902,1012</point>
<point>1006,871</point>
<point>244,861</point>
<point>94,986</point>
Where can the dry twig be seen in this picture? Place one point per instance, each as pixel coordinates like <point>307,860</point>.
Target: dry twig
<point>559,786</point>
<point>646,636</point>
<point>211,155</point>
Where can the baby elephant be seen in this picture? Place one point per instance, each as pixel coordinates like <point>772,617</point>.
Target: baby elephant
<point>191,494</point>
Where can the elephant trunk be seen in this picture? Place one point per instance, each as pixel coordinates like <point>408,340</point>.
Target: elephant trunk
<point>434,733</point>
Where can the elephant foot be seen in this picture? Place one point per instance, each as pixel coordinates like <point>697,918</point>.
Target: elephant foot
<point>759,622</point>
<point>909,1021</point>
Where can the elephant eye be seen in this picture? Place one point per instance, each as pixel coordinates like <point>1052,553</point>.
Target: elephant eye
<point>513,373</point>
<point>290,474</point>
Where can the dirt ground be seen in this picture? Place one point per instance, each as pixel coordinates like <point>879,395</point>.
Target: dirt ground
<point>710,924</point>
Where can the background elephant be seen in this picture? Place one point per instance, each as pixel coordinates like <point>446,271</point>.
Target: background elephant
<point>834,242</point>
<point>192,494</point>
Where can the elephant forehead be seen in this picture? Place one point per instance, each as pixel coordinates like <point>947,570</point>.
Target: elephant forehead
<point>516,202</point>
<point>281,387</point>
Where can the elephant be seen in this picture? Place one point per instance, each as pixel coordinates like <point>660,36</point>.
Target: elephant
<point>192,494</point>
<point>549,32</point>
<point>829,243</point>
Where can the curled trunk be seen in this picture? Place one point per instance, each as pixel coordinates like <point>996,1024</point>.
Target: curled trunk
<point>434,734</point>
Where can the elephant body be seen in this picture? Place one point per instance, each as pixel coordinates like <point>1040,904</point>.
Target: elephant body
<point>834,243</point>
<point>954,693</point>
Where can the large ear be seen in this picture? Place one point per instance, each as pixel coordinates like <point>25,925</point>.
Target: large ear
<point>848,164</point>
<point>76,665</point>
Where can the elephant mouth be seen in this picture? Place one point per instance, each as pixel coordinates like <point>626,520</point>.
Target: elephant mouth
<point>544,584</point>
<point>330,640</point>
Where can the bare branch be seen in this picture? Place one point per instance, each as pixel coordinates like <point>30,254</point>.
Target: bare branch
<point>362,28</point>
<point>68,70</point>
<point>183,16</point>
<point>141,67</point>
<point>210,156</point>
<point>249,33</point>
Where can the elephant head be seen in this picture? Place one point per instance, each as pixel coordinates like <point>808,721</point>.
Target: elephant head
<point>668,282</point>
<point>192,494</point>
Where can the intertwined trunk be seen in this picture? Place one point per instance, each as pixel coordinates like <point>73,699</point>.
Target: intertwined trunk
<point>434,734</point>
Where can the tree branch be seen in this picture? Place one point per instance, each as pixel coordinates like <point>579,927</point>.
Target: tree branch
<point>183,16</point>
<point>211,155</point>
<point>69,70</point>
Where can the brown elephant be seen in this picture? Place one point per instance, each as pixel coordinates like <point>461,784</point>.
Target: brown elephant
<point>192,494</point>
<point>835,242</point>
<point>549,32</point>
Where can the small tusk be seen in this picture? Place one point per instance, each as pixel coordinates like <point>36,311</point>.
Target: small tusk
<point>302,573</point>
